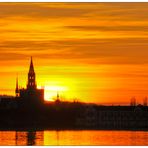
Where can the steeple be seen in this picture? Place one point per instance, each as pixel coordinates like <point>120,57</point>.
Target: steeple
<point>58,98</point>
<point>17,89</point>
<point>57,95</point>
<point>31,69</point>
<point>31,77</point>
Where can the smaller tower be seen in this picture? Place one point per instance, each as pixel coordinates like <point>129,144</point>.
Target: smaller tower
<point>133,101</point>
<point>57,95</point>
<point>17,89</point>
<point>145,101</point>
<point>58,99</point>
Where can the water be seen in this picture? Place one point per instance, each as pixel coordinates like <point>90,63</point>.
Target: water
<point>71,137</point>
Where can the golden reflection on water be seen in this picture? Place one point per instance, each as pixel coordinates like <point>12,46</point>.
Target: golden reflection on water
<point>81,137</point>
<point>92,137</point>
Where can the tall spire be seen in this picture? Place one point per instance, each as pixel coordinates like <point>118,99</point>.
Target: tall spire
<point>31,69</point>
<point>17,89</point>
<point>31,76</point>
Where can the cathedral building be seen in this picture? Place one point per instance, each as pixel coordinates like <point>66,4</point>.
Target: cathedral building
<point>31,96</point>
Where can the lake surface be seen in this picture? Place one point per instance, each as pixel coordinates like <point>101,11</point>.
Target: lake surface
<point>74,137</point>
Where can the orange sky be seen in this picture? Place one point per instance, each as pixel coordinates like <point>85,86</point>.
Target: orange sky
<point>96,52</point>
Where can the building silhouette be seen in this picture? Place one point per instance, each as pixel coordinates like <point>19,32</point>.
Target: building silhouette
<point>31,96</point>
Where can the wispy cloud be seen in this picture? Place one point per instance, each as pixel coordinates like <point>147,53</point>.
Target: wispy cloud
<point>93,51</point>
<point>109,28</point>
<point>39,10</point>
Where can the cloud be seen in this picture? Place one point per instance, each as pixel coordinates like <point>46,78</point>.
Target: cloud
<point>11,56</point>
<point>89,51</point>
<point>102,11</point>
<point>109,28</point>
<point>29,46</point>
<point>39,10</point>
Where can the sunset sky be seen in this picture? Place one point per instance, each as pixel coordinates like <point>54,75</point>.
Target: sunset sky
<point>95,52</point>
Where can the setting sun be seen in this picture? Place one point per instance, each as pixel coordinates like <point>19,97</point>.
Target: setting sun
<point>51,92</point>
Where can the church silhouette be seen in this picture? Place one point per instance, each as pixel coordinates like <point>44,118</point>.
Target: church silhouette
<point>31,96</point>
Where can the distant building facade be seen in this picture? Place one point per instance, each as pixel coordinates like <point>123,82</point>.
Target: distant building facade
<point>31,96</point>
<point>108,117</point>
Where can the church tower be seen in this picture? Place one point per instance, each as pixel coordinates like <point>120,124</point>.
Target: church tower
<point>31,77</point>
<point>31,97</point>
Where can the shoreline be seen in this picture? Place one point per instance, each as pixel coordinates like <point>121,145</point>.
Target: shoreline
<point>70,129</point>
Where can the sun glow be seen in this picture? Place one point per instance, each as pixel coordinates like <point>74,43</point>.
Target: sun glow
<point>51,92</point>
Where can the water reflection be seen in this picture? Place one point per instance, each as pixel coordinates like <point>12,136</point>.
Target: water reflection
<point>93,137</point>
<point>57,132</point>
<point>29,138</point>
<point>84,137</point>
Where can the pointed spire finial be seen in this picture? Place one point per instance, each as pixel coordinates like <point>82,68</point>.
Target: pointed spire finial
<point>31,69</point>
<point>31,58</point>
<point>31,76</point>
